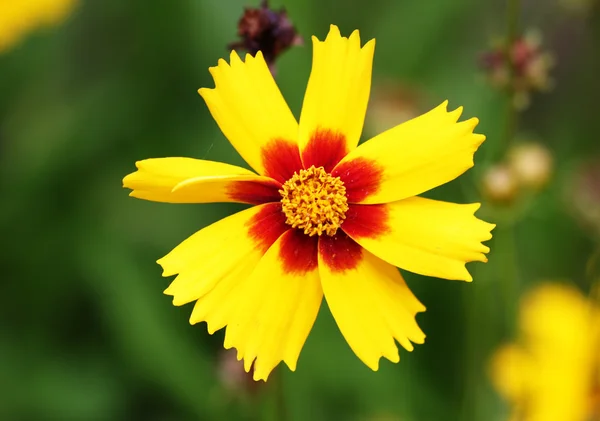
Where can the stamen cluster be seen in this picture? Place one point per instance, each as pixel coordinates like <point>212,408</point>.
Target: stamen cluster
<point>314,201</point>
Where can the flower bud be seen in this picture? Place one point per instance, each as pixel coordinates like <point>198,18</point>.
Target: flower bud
<point>531,164</point>
<point>499,184</point>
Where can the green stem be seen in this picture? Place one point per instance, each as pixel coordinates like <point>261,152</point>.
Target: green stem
<point>592,266</point>
<point>506,236</point>
<point>282,414</point>
<point>277,409</point>
<point>512,20</point>
<point>470,401</point>
<point>512,25</point>
<point>506,250</point>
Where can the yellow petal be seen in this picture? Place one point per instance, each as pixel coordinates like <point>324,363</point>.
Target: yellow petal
<point>251,112</point>
<point>187,180</point>
<point>336,98</point>
<point>214,253</point>
<point>511,372</point>
<point>423,236</point>
<point>411,158</point>
<point>549,376</point>
<point>277,305</point>
<point>369,300</point>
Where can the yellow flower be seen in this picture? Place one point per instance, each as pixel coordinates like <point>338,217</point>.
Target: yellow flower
<point>19,17</point>
<point>552,373</point>
<point>330,218</point>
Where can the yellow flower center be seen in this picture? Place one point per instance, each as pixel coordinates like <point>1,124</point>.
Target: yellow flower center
<point>314,201</point>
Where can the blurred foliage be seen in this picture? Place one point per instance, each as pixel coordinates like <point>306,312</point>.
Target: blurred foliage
<point>86,332</point>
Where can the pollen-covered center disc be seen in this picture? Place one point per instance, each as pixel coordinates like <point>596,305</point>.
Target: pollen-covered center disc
<point>314,201</point>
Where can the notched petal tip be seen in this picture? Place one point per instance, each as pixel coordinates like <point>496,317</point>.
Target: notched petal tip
<point>221,64</point>
<point>373,365</point>
<point>291,363</point>
<point>256,376</point>
<point>394,358</point>
<point>470,124</point>
<point>479,138</point>
<point>163,262</point>
<point>234,59</point>
<point>419,340</point>
<point>127,180</point>
<point>369,47</point>
<point>248,364</point>
<point>420,306</point>
<point>408,346</point>
<point>334,31</point>
<point>130,179</point>
<point>335,35</point>
<point>456,113</point>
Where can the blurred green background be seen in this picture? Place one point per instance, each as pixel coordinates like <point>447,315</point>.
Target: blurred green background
<point>87,333</point>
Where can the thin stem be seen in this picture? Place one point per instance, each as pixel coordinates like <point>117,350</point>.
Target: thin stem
<point>507,236</point>
<point>506,246</point>
<point>471,298</point>
<point>512,20</point>
<point>276,399</point>
<point>512,25</point>
<point>282,414</point>
<point>592,266</point>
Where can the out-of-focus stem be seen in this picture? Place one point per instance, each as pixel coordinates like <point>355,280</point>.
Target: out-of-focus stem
<point>277,410</point>
<point>282,413</point>
<point>472,355</point>
<point>512,25</point>
<point>593,275</point>
<point>506,250</point>
<point>506,237</point>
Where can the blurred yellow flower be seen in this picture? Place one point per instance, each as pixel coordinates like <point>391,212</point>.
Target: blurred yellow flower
<point>19,17</point>
<point>552,373</point>
<point>330,219</point>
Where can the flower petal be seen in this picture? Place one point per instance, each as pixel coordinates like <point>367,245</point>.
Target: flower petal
<point>251,112</point>
<point>421,235</point>
<point>411,158</point>
<point>370,302</point>
<point>277,305</point>
<point>335,102</point>
<point>211,257</point>
<point>187,180</point>
<point>511,372</point>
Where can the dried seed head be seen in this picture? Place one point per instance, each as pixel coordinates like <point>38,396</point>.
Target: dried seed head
<point>530,63</point>
<point>264,29</point>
